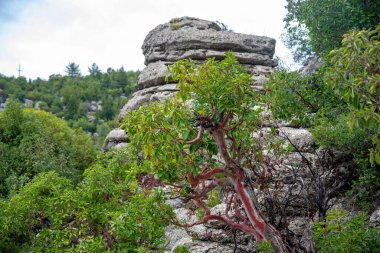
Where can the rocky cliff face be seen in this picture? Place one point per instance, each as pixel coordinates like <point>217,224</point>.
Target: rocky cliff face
<point>196,39</point>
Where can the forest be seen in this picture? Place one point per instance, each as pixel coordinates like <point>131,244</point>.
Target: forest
<point>88,102</point>
<point>60,193</point>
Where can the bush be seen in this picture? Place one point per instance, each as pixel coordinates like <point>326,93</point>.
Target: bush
<point>33,141</point>
<point>338,233</point>
<point>101,214</point>
<point>181,249</point>
<point>24,215</point>
<point>353,72</point>
<point>336,134</point>
<point>299,100</point>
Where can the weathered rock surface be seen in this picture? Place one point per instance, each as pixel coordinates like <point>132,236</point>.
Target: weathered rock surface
<point>146,96</point>
<point>115,137</point>
<point>205,238</point>
<point>301,138</point>
<point>153,75</point>
<point>180,35</point>
<point>375,218</point>
<point>2,101</point>
<point>311,66</point>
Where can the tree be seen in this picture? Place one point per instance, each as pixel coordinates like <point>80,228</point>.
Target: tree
<point>33,141</point>
<point>108,108</point>
<point>317,27</point>
<point>121,78</point>
<point>219,157</point>
<point>94,71</point>
<point>72,70</point>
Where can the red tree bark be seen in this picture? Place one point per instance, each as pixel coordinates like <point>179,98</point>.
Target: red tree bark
<point>234,174</point>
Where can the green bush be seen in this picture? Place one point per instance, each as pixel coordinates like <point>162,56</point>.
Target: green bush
<point>353,72</point>
<point>336,134</point>
<point>265,247</point>
<point>181,249</point>
<point>25,214</point>
<point>338,233</point>
<point>33,141</point>
<point>101,214</point>
<point>293,98</point>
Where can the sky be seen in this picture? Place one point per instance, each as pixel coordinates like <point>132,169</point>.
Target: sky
<point>44,36</point>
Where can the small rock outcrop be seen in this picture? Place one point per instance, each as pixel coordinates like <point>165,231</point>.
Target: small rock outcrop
<point>196,39</point>
<point>312,65</point>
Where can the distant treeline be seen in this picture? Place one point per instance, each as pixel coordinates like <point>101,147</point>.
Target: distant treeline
<point>89,102</point>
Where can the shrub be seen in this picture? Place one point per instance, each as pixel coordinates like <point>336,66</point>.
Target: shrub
<point>33,141</point>
<point>181,249</point>
<point>101,214</point>
<point>338,233</point>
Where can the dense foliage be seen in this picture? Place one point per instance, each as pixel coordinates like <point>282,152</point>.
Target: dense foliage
<point>33,141</point>
<point>341,103</point>
<point>155,127</point>
<point>89,102</point>
<point>214,107</point>
<point>340,233</point>
<point>317,27</point>
<point>104,213</point>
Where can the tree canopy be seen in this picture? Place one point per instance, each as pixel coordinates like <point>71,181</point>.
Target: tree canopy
<point>317,27</point>
<point>34,141</point>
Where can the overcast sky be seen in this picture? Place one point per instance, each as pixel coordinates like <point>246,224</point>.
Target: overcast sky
<point>43,36</point>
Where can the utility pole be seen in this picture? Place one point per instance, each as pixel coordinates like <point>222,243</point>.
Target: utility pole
<point>19,70</point>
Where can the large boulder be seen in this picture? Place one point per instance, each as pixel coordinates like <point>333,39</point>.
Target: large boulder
<point>180,35</point>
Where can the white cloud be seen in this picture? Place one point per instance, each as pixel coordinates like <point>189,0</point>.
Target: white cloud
<point>51,33</point>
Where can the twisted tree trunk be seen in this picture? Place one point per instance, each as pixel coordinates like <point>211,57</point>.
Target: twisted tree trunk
<point>245,193</point>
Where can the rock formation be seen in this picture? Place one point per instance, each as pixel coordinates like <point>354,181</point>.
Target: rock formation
<point>311,66</point>
<point>196,39</point>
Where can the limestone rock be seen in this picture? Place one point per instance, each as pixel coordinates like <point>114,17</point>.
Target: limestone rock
<point>153,75</point>
<point>311,66</point>
<point>145,96</point>
<point>297,225</point>
<point>175,237</point>
<point>28,102</point>
<point>259,69</point>
<point>198,40</point>
<point>115,138</point>
<point>300,137</point>
<point>184,34</point>
<point>203,54</point>
<point>375,218</point>
<point>38,104</point>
